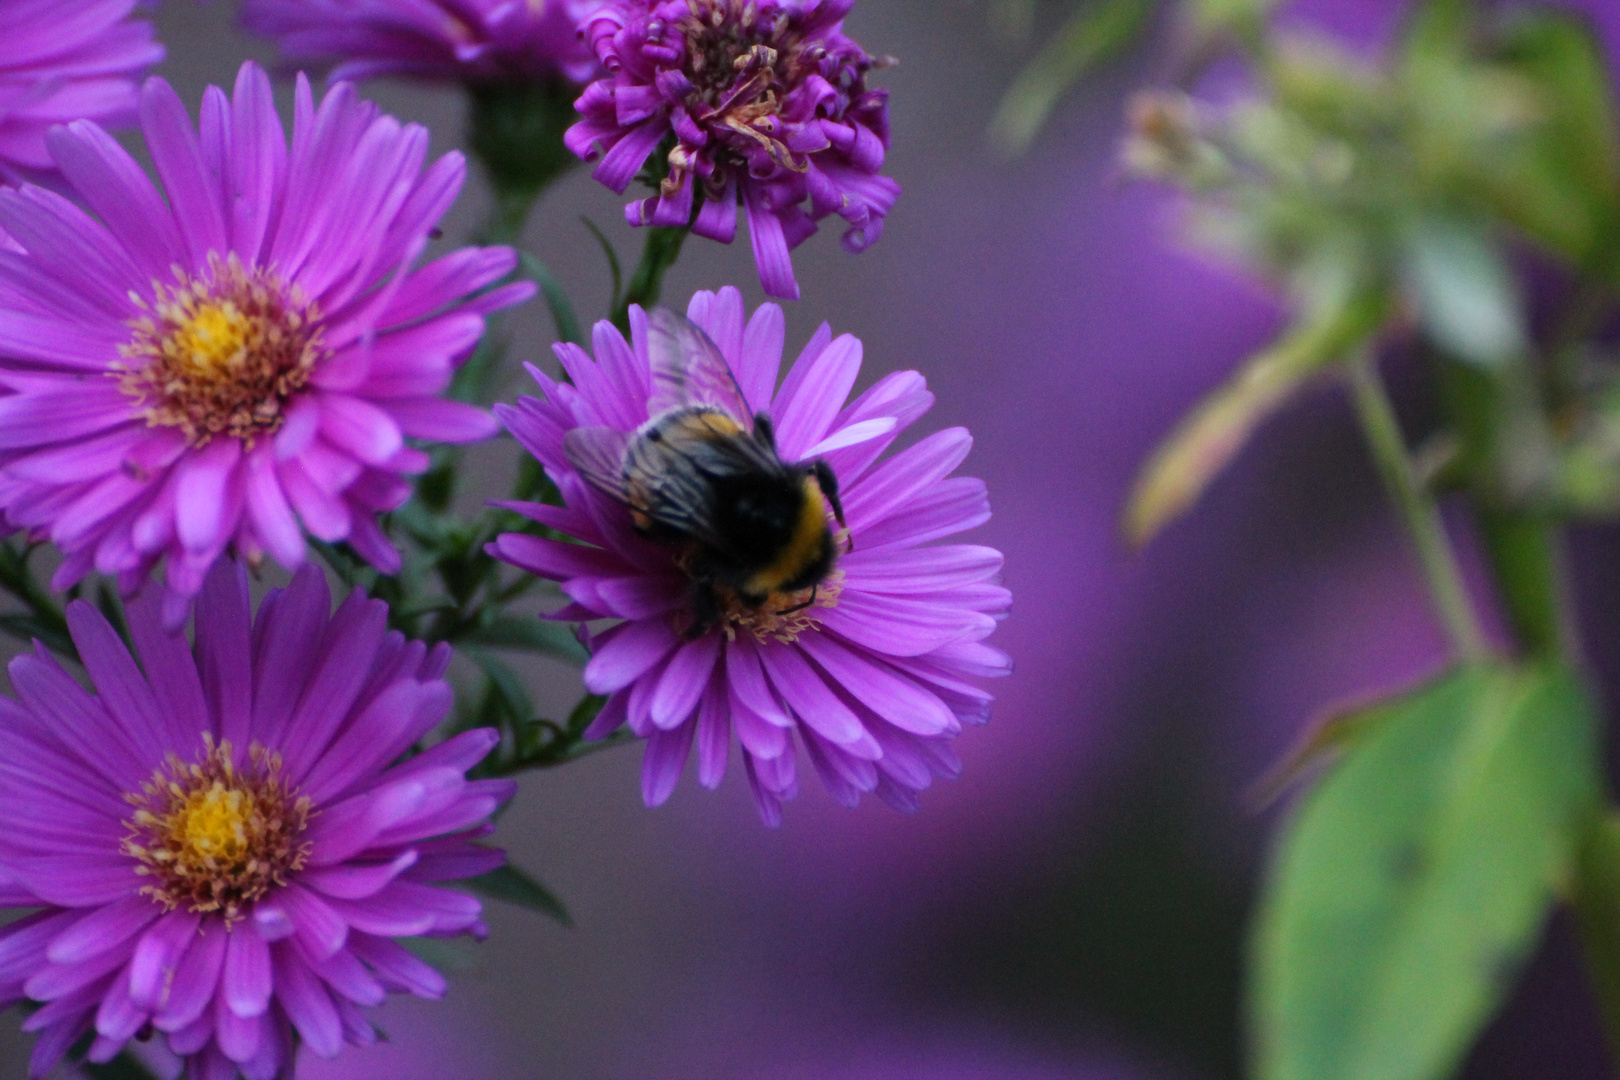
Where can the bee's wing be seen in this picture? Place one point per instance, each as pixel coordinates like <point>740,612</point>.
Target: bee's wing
<point>598,455</point>
<point>689,369</point>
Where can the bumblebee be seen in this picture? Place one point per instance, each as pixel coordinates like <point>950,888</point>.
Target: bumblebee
<point>703,477</point>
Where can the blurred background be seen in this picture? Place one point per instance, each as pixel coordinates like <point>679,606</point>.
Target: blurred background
<point>1075,906</point>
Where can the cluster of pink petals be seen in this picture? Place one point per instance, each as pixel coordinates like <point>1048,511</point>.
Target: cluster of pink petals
<point>63,60</point>
<point>343,212</point>
<point>465,40</point>
<point>818,152</point>
<point>876,692</point>
<point>340,698</point>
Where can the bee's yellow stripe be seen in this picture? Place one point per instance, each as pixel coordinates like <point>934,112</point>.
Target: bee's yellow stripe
<point>808,536</point>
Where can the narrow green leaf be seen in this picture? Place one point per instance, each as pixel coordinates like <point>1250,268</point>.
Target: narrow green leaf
<point>585,712</point>
<point>514,886</point>
<point>1597,904</point>
<point>1208,439</point>
<point>1413,880</point>
<point>535,635</point>
<point>1095,33</point>
<point>614,266</point>
<point>504,683</point>
<point>562,308</point>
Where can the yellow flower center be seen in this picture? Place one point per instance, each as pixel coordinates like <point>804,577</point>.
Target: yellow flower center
<point>215,838</point>
<point>213,341</point>
<point>222,352</point>
<point>211,826</point>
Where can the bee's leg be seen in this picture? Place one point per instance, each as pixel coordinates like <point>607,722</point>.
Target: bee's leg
<point>705,608</point>
<point>765,429</point>
<point>828,482</point>
<point>801,607</point>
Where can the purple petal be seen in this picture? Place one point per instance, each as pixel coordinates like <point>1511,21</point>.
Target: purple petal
<point>664,760</point>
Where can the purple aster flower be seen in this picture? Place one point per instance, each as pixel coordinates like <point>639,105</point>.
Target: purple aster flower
<point>871,669</point>
<point>468,40</point>
<point>212,370</point>
<point>763,101</point>
<point>222,842</point>
<point>63,60</point>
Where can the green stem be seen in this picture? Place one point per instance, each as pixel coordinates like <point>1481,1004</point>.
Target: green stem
<point>1526,559</point>
<point>45,619</point>
<point>1596,898</point>
<point>662,248</point>
<point>1435,554</point>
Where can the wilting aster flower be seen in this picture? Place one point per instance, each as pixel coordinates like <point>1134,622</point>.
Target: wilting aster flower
<point>211,371</point>
<point>63,60</point>
<point>871,669</point>
<point>222,846</point>
<point>466,40</point>
<point>761,100</point>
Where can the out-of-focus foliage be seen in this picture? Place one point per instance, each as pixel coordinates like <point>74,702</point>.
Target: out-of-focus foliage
<point>1416,876</point>
<point>1408,190</point>
<point>1460,196</point>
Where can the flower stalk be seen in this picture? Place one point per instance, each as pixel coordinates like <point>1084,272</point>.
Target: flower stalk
<point>1417,507</point>
<point>658,254</point>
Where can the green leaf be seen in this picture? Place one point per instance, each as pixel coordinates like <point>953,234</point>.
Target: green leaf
<point>1215,16</point>
<point>512,885</point>
<point>562,308</point>
<point>1094,33</point>
<point>1207,440</point>
<point>1467,298</point>
<point>1597,905</point>
<point>504,684</point>
<point>123,1067</point>
<point>614,267</point>
<point>1413,880</point>
<point>1561,181</point>
<point>535,635</point>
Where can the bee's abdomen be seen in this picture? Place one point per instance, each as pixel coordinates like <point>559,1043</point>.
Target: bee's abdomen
<point>803,551</point>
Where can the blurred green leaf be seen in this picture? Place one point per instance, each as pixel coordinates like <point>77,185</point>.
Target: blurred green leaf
<point>123,1067</point>
<point>1562,183</point>
<point>562,308</point>
<point>532,634</point>
<point>1467,298</point>
<point>1597,905</point>
<point>1096,32</point>
<point>1216,16</point>
<point>1413,880</point>
<point>614,267</point>
<point>1208,439</point>
<point>513,886</point>
<point>504,685</point>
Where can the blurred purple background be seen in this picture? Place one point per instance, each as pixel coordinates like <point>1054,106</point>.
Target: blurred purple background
<point>1072,908</point>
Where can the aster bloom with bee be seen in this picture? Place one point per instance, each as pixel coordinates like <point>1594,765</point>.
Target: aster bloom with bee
<point>762,102</point>
<point>63,60</point>
<point>772,576</point>
<point>218,842</point>
<point>467,40</point>
<point>245,359</point>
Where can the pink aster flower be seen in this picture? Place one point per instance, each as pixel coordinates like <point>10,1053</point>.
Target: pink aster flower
<point>222,841</point>
<point>870,670</point>
<point>466,40</point>
<point>762,101</point>
<point>63,60</point>
<point>217,368</point>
